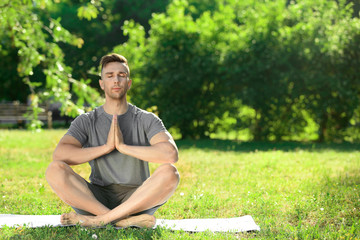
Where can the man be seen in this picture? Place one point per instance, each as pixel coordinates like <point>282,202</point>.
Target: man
<point>118,140</point>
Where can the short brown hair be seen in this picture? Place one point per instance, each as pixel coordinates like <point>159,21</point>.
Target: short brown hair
<point>113,57</point>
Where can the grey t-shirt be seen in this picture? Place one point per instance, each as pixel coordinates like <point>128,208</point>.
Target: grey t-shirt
<point>138,127</point>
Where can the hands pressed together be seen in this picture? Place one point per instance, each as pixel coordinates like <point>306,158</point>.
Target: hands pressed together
<point>115,138</point>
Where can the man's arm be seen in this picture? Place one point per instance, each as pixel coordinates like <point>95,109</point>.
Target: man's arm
<point>70,150</point>
<point>162,150</point>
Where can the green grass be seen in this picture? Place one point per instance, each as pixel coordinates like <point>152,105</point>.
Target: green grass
<point>292,190</point>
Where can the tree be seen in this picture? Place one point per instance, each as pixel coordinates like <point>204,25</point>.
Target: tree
<point>29,32</point>
<point>259,68</point>
<point>285,60</point>
<point>294,62</point>
<point>102,32</point>
<point>179,69</point>
<point>327,34</point>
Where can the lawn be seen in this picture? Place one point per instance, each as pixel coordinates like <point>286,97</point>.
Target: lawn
<point>292,190</point>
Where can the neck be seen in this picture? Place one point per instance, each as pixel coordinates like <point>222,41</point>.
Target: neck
<point>115,106</point>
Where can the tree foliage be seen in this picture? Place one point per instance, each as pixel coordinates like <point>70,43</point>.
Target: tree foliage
<point>285,60</point>
<point>102,33</point>
<point>28,31</point>
<point>180,74</point>
<point>272,67</point>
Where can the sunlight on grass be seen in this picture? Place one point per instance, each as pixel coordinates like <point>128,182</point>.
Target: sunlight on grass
<point>292,190</point>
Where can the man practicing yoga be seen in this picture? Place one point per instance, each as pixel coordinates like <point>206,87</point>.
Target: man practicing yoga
<point>118,140</point>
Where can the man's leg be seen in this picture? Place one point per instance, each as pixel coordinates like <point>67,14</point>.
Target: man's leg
<point>154,191</point>
<point>72,188</point>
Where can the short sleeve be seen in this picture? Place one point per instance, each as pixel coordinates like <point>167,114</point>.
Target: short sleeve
<point>78,129</point>
<point>152,125</point>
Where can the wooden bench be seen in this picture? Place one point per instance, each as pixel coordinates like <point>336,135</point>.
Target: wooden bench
<point>15,113</point>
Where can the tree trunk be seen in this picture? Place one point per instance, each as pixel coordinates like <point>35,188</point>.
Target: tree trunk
<point>322,128</point>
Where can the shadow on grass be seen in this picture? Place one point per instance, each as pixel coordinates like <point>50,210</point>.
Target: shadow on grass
<point>237,146</point>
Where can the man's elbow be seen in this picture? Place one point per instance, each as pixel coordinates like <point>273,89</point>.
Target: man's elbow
<point>56,156</point>
<point>174,156</point>
<point>59,157</point>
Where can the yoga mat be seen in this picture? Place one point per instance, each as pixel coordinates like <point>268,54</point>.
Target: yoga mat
<point>238,224</point>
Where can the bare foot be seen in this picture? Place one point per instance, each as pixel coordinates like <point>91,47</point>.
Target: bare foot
<point>85,221</point>
<point>141,221</point>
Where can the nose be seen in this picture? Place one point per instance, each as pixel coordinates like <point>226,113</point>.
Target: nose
<point>119,79</point>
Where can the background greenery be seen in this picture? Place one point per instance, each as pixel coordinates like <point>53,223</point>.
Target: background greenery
<point>248,70</point>
<point>275,69</point>
<point>292,190</point>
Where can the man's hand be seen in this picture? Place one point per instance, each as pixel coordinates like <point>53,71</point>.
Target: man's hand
<point>119,140</point>
<point>115,137</point>
<point>110,144</point>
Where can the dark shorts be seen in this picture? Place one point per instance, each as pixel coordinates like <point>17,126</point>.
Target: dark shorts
<point>112,196</point>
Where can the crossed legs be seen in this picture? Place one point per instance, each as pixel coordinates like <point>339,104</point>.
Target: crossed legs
<point>73,190</point>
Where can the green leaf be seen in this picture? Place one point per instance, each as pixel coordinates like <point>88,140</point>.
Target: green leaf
<point>89,12</point>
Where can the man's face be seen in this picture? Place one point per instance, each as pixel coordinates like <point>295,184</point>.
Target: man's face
<point>115,80</point>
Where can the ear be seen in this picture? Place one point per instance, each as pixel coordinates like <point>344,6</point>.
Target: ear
<point>129,83</point>
<point>101,83</point>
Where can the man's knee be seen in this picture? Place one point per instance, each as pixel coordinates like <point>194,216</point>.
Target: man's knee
<point>169,174</point>
<point>54,169</point>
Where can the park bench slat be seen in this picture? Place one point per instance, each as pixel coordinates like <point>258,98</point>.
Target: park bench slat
<point>15,112</point>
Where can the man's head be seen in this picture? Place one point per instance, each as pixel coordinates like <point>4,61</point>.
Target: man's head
<point>113,57</point>
<point>115,76</point>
